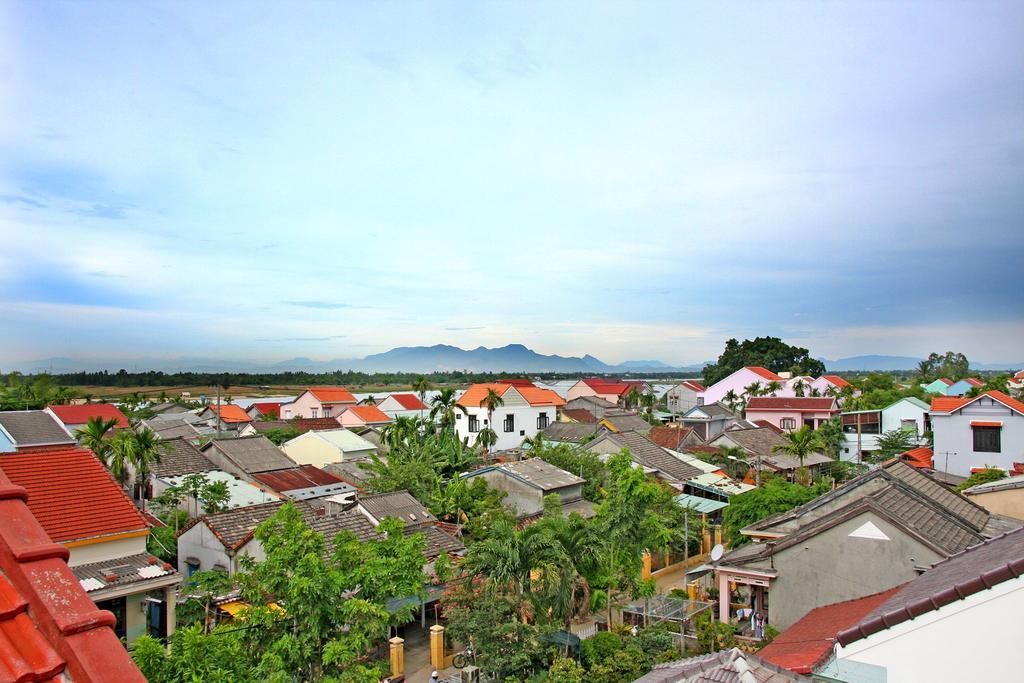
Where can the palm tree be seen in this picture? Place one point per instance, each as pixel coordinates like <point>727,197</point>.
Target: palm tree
<point>830,437</point>
<point>421,386</point>
<point>799,388</point>
<point>486,439</point>
<point>490,402</point>
<point>733,460</point>
<point>95,436</point>
<point>370,400</point>
<point>731,399</point>
<point>147,452</point>
<point>648,401</point>
<point>446,405</point>
<point>122,453</point>
<point>535,444</point>
<point>799,443</point>
<point>771,388</point>
<point>633,397</point>
<point>753,389</point>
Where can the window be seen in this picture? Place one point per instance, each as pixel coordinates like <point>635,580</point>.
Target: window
<point>474,423</point>
<point>510,423</point>
<point>313,412</point>
<point>909,425</point>
<point>542,421</point>
<point>191,567</point>
<point>987,439</point>
<point>787,423</point>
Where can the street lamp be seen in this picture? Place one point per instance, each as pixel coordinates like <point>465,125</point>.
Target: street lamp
<point>757,468</point>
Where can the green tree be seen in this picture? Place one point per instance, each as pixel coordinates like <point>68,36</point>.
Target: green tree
<point>582,463</point>
<point>566,670</point>
<point>96,436</point>
<point>401,472</point>
<point>147,451</point>
<point>195,656</point>
<point>282,434</point>
<point>444,408</point>
<point>830,437</point>
<point>775,495</point>
<point>982,477</point>
<point>486,439</point>
<point>894,442</point>
<point>215,497</point>
<point>768,352</point>
<point>799,443</point>
<point>491,402</point>
<point>421,386</point>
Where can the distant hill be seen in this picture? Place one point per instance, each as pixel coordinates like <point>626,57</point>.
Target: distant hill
<point>441,357</point>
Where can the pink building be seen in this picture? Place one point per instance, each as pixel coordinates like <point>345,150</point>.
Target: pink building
<point>363,416</point>
<point>789,413</point>
<point>737,383</point>
<point>318,402</point>
<point>828,385</point>
<point>609,390</point>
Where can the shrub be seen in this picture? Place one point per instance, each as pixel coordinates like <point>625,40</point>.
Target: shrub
<point>655,641</point>
<point>597,649</point>
<point>712,635</point>
<point>566,671</point>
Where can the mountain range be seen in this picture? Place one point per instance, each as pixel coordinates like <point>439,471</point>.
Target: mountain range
<point>442,357</point>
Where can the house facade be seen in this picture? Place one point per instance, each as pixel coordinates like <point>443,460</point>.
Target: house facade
<point>738,381</point>
<point>683,396</point>
<point>27,430</point>
<point>790,414</point>
<point>861,428</point>
<point>318,402</point>
<point>961,387</point>
<point>709,420</point>
<point>363,416</point>
<point>984,431</point>
<point>525,412</point>
<point>526,482</point>
<point>226,416</point>
<point>321,448</point>
<point>827,385</point>
<point>939,386</point>
<point>402,404</point>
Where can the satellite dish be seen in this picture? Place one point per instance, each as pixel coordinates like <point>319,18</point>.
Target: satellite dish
<point>717,552</point>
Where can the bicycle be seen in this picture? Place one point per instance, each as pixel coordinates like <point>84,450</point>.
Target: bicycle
<point>462,659</point>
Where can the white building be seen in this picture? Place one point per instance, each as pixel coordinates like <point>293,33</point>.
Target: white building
<point>327,446</point>
<point>524,412</point>
<point>984,431</point>
<point>863,427</point>
<point>684,396</point>
<point>959,621</point>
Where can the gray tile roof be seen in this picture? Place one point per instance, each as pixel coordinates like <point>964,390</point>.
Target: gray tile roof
<point>714,410</point>
<point>34,428</point>
<point>181,457</point>
<point>348,471</point>
<point>727,666</point>
<point>975,570</point>
<point>235,527</point>
<point>758,441</point>
<point>541,474</point>
<point>628,423</point>
<point>930,520</point>
<point>252,454</point>
<point>438,541</point>
<point>571,432</point>
<point>122,571</point>
<point>399,504</point>
<point>977,516</point>
<point>648,453</point>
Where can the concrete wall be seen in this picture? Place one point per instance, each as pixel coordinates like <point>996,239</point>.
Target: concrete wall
<point>954,439</point>
<point>200,543</point>
<point>525,421</point>
<point>107,550</point>
<point>968,640</point>
<point>525,500</point>
<point>680,399</point>
<point>135,616</point>
<point>1009,502</point>
<point>309,449</point>
<point>832,567</point>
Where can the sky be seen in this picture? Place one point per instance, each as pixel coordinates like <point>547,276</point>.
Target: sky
<point>640,180</point>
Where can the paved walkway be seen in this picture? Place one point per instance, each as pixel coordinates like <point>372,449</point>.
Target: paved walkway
<point>417,657</point>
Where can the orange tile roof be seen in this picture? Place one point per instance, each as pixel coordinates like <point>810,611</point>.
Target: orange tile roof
<point>947,404</point>
<point>268,408</point>
<point>80,414</point>
<point>919,457</point>
<point>369,414</point>
<point>476,393</point>
<point>229,412</point>
<point>72,494</point>
<point>536,396</point>
<point>809,642</point>
<point>836,380</point>
<point>765,373</point>
<point>332,394</point>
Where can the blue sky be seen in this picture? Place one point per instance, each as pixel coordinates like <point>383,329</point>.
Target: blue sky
<point>632,180</point>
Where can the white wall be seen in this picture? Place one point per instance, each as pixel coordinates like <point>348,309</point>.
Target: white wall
<point>106,550</point>
<point>954,438</point>
<point>525,423</point>
<point>969,640</point>
<point>892,417</point>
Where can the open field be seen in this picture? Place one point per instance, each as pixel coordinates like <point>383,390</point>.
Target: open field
<point>97,392</point>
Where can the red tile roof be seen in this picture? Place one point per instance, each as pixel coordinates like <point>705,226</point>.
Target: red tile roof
<point>541,397</point>
<point>919,457</point>
<point>72,494</point>
<point>314,424</point>
<point>303,477</point>
<point>769,425</point>
<point>947,381</point>
<point>765,373</point>
<point>792,404</point>
<point>669,437</point>
<point>74,415</point>
<point>332,394</point>
<point>49,627</point>
<point>696,386</point>
<point>270,408</point>
<point>229,412</point>
<point>369,414</point>
<point>409,401</point>
<point>947,404</point>
<point>836,380</point>
<point>808,643</point>
<point>974,382</point>
<point>580,415</point>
